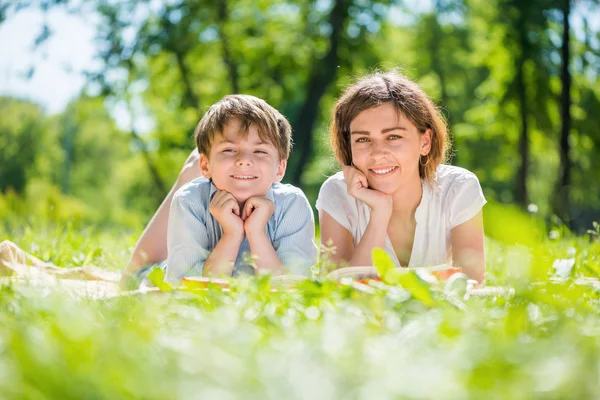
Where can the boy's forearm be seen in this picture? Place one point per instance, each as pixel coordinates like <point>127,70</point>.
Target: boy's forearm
<point>266,257</point>
<point>222,259</point>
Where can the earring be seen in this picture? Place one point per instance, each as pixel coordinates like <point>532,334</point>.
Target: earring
<point>426,162</point>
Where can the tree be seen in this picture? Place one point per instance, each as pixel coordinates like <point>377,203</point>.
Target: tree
<point>561,200</point>
<point>21,141</point>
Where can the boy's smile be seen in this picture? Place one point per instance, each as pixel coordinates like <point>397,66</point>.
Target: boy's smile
<point>242,166</point>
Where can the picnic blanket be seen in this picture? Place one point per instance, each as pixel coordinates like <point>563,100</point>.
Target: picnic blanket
<point>20,267</point>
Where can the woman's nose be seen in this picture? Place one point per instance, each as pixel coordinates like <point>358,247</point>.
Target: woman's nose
<point>378,150</point>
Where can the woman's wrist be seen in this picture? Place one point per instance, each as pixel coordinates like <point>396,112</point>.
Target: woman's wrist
<point>381,215</point>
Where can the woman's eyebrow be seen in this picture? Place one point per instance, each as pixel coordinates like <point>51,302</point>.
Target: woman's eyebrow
<point>386,130</point>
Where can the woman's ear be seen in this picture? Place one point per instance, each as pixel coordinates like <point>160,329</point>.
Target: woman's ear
<point>426,142</point>
<point>204,165</point>
<point>280,170</point>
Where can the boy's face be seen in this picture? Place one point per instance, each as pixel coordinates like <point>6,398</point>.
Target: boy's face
<point>244,167</point>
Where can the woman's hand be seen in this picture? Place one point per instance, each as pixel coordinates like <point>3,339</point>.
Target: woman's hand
<point>358,187</point>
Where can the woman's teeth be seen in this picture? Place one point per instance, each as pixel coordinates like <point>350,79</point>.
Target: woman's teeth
<point>383,171</point>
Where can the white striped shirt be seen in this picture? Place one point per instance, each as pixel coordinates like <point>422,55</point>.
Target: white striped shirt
<point>193,232</point>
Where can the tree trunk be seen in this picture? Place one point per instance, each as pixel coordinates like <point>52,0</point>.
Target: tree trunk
<point>323,73</point>
<point>158,182</point>
<point>232,68</point>
<point>521,195</point>
<point>562,201</point>
<point>68,144</point>
<point>190,99</point>
<point>436,65</point>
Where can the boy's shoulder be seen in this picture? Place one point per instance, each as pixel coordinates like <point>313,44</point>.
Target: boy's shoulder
<point>283,191</point>
<point>195,190</point>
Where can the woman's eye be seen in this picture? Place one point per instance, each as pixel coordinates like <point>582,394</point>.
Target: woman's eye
<point>394,137</point>
<point>362,140</point>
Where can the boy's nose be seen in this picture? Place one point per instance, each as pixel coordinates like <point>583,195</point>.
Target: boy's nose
<point>243,161</point>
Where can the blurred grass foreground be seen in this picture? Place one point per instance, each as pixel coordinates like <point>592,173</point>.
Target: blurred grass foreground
<point>321,341</point>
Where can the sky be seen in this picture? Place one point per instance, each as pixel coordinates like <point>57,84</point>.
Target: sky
<point>60,62</point>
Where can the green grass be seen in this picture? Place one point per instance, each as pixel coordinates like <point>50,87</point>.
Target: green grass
<point>322,341</point>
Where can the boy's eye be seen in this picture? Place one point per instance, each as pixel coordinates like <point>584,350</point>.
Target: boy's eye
<point>260,151</point>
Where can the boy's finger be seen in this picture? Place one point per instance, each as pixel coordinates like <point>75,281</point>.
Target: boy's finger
<point>219,198</point>
<point>232,205</point>
<point>248,208</point>
<point>245,213</point>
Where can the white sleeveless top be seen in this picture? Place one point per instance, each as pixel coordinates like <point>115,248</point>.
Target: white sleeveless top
<point>454,197</point>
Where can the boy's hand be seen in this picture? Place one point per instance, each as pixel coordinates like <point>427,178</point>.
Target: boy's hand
<point>256,214</point>
<point>224,207</point>
<point>358,187</point>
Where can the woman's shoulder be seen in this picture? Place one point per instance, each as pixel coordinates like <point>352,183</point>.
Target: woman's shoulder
<point>336,179</point>
<point>448,176</point>
<point>333,191</point>
<point>334,185</point>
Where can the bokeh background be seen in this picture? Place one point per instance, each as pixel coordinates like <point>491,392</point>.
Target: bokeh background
<point>99,98</point>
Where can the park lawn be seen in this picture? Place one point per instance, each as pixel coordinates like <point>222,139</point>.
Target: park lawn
<point>321,341</point>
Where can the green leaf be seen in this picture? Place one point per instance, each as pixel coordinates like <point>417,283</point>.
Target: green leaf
<point>157,277</point>
<point>383,263</point>
<point>407,278</point>
<point>411,282</point>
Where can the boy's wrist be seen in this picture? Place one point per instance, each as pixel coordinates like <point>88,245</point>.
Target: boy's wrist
<point>233,237</point>
<point>254,235</point>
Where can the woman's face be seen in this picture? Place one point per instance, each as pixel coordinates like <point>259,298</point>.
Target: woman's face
<point>386,147</point>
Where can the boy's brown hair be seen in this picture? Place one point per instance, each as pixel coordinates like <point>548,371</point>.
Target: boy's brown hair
<point>407,98</point>
<point>272,127</point>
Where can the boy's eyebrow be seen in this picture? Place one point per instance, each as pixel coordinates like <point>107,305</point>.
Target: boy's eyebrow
<point>227,141</point>
<point>386,130</point>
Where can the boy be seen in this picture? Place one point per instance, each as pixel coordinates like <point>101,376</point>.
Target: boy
<point>239,207</point>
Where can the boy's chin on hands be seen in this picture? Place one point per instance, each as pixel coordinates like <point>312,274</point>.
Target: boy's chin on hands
<point>256,212</point>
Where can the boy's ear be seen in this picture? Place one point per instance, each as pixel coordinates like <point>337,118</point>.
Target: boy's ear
<point>426,142</point>
<point>204,165</point>
<point>281,170</point>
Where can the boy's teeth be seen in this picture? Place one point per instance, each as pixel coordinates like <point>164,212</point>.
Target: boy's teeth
<point>244,177</point>
<point>383,171</point>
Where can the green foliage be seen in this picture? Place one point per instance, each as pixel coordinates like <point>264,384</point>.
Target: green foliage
<point>21,141</point>
<point>157,277</point>
<point>322,340</point>
<point>166,63</point>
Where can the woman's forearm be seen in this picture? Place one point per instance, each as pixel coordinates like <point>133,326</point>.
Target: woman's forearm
<point>374,237</point>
